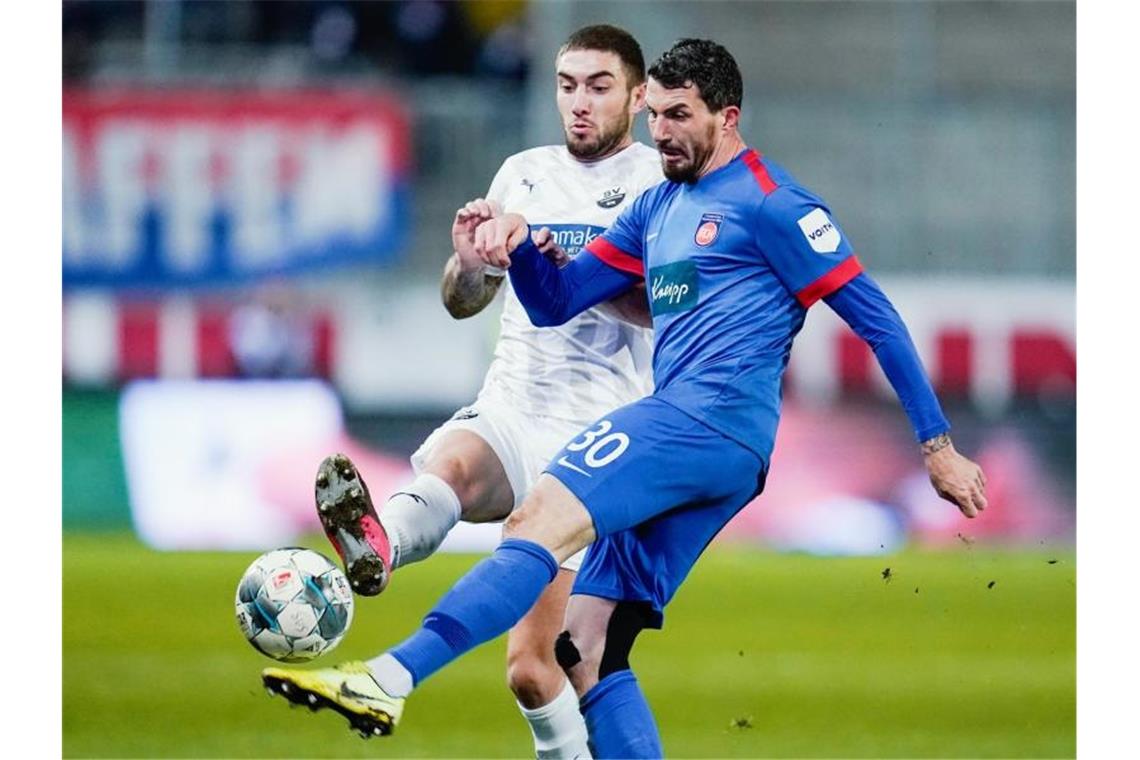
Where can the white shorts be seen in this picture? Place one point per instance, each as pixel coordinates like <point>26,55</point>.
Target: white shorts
<point>524,444</point>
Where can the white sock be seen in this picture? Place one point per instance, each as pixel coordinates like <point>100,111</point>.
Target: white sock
<point>393,677</point>
<point>418,517</point>
<point>558,727</point>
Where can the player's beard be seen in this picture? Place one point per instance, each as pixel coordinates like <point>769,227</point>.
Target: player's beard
<point>608,138</point>
<point>690,171</point>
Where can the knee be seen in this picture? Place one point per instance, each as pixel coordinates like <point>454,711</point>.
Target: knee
<point>519,520</point>
<point>458,474</point>
<point>538,509</point>
<point>533,680</point>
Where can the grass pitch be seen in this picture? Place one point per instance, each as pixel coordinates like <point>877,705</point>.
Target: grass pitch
<point>968,652</point>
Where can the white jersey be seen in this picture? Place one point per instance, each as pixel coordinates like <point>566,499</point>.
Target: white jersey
<point>594,363</point>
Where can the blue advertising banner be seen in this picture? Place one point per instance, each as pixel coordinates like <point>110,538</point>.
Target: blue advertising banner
<point>186,188</point>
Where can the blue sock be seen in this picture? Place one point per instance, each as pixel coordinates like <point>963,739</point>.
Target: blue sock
<point>486,602</point>
<point>619,719</point>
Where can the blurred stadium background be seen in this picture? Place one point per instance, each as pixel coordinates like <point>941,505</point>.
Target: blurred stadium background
<point>256,204</point>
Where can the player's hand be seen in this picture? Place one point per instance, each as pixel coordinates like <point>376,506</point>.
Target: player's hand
<point>957,479</point>
<point>467,220</point>
<point>496,238</point>
<point>545,241</point>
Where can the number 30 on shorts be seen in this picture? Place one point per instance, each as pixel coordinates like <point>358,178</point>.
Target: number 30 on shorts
<point>601,446</point>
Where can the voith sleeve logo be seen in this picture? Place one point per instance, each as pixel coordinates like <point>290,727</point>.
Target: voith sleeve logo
<point>821,234</point>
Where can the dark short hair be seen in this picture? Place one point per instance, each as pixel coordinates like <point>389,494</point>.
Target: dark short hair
<point>704,64</point>
<point>610,39</point>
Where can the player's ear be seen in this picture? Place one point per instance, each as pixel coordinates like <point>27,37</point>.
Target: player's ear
<point>731,116</point>
<point>637,99</point>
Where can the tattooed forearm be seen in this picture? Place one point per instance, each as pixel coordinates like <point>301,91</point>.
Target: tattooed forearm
<point>466,293</point>
<point>936,443</point>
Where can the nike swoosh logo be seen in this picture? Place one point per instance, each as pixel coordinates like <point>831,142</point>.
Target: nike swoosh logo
<point>345,691</point>
<point>415,496</point>
<point>566,463</point>
<point>651,236</point>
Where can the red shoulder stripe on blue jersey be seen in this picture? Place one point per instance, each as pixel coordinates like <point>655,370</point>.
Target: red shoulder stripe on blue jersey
<point>755,163</point>
<point>843,273</point>
<point>616,257</point>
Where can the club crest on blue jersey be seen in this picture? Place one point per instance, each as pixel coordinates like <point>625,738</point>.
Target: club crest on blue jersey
<point>708,229</point>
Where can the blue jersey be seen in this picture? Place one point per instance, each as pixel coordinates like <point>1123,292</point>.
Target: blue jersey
<point>731,264</point>
<point>754,250</point>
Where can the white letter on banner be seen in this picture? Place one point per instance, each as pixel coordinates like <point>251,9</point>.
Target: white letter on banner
<point>120,149</point>
<point>315,189</point>
<point>361,163</point>
<point>256,196</point>
<point>341,185</point>
<point>76,246</point>
<point>187,197</point>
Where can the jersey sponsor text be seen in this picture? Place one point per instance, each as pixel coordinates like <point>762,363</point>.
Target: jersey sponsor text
<point>820,232</point>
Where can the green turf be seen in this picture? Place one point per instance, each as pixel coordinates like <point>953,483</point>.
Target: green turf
<point>763,656</point>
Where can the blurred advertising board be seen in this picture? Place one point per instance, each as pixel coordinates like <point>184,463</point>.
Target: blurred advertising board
<point>221,464</point>
<point>226,464</point>
<point>194,453</point>
<point>990,341</point>
<point>175,188</point>
<point>849,480</point>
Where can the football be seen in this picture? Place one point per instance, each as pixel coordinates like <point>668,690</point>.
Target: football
<point>293,604</point>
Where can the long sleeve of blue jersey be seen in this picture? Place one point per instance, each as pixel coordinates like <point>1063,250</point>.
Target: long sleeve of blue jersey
<point>552,295</point>
<point>864,306</point>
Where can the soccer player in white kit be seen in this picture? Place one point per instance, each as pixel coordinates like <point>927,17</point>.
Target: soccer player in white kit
<point>543,386</point>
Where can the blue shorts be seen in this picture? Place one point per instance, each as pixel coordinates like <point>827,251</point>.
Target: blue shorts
<point>659,485</point>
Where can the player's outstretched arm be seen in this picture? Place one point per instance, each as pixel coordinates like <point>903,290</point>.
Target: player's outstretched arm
<point>468,286</point>
<point>550,294</point>
<point>864,306</point>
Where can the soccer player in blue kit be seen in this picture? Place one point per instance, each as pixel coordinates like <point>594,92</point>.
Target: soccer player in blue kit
<point>733,252</point>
